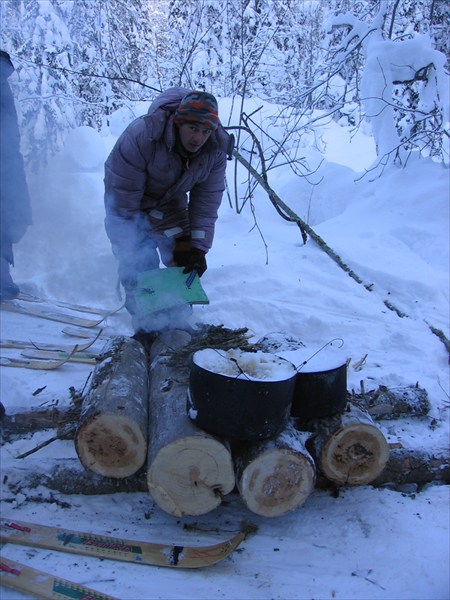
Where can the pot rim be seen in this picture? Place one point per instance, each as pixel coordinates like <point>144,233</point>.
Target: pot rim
<point>301,371</point>
<point>244,376</point>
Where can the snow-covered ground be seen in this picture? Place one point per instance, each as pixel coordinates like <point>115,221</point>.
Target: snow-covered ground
<point>393,231</point>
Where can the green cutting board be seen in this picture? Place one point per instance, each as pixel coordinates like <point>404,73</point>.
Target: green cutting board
<point>160,289</point>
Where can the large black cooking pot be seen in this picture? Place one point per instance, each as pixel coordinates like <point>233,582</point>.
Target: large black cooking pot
<point>235,398</point>
<point>320,393</point>
<point>321,384</point>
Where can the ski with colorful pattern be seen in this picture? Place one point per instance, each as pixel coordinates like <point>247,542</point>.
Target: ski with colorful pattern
<point>89,544</point>
<point>38,583</point>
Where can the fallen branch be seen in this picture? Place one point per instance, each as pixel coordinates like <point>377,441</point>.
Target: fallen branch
<point>295,218</point>
<point>67,433</point>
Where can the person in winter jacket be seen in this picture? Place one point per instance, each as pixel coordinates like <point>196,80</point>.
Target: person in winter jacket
<point>14,198</point>
<point>178,148</point>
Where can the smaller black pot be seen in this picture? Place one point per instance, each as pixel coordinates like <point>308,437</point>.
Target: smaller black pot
<point>239,408</point>
<point>320,394</point>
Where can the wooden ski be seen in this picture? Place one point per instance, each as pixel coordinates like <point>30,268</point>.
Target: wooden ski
<point>30,344</point>
<point>146,553</point>
<point>77,332</point>
<point>26,363</point>
<point>36,310</point>
<point>38,364</point>
<point>38,583</point>
<point>60,303</point>
<point>79,357</point>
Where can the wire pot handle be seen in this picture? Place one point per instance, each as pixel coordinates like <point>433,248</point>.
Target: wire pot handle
<point>330,343</point>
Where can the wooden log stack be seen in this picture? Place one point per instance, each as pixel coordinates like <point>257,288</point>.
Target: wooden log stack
<point>136,412</point>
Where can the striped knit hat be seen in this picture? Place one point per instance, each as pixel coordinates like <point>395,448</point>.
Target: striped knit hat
<point>198,107</point>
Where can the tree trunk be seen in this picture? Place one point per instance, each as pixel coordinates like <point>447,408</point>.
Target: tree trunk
<point>349,448</point>
<point>111,439</point>
<point>189,471</point>
<point>274,476</point>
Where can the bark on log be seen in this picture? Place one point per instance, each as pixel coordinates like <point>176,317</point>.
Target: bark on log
<point>349,449</point>
<point>111,439</point>
<point>189,471</point>
<point>274,476</point>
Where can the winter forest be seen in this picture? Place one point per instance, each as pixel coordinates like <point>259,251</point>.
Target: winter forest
<point>78,61</point>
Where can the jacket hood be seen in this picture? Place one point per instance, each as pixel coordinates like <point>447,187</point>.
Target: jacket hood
<point>171,98</point>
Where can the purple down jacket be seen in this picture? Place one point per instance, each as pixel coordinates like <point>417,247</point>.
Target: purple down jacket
<point>147,183</point>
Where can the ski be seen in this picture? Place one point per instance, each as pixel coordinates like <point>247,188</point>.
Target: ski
<point>36,310</point>
<point>79,357</point>
<point>146,553</point>
<point>61,304</point>
<point>30,344</point>
<point>38,583</point>
<point>26,363</point>
<point>77,332</point>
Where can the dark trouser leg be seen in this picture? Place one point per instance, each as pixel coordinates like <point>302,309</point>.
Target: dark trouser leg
<point>8,289</point>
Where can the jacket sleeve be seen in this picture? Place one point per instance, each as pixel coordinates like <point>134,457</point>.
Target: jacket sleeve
<point>125,223</point>
<point>204,203</point>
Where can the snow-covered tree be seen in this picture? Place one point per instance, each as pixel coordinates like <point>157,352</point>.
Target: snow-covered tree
<point>76,62</point>
<point>41,50</point>
<point>401,82</point>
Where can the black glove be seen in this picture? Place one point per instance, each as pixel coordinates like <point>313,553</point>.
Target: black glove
<point>182,251</point>
<point>195,261</point>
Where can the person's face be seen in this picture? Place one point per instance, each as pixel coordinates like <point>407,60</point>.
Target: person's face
<point>193,136</point>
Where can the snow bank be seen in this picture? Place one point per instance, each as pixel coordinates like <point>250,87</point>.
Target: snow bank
<point>85,149</point>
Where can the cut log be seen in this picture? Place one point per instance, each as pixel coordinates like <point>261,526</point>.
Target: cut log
<point>275,476</point>
<point>348,448</point>
<point>111,439</point>
<point>386,403</point>
<point>189,471</point>
<point>406,465</point>
<point>35,419</point>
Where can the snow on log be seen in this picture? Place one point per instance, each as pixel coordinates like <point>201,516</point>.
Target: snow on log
<point>274,476</point>
<point>349,448</point>
<point>111,438</point>
<point>189,470</point>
